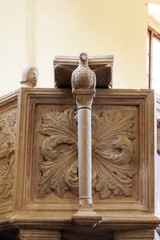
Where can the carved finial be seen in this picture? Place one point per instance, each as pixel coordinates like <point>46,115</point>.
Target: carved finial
<point>83,78</point>
<point>29,77</point>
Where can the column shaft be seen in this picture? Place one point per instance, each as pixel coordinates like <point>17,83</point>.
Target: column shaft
<point>85,156</point>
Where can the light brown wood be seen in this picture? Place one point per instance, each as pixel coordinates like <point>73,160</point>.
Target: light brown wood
<point>135,235</point>
<point>38,234</point>
<point>45,182</point>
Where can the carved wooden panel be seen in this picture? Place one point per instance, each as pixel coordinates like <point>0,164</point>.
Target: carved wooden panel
<point>7,153</point>
<point>8,138</point>
<point>122,152</point>
<point>113,133</point>
<point>39,162</point>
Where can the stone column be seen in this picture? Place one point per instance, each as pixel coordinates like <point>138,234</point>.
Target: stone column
<point>86,213</point>
<point>38,234</point>
<point>84,103</point>
<point>147,234</point>
<point>83,88</point>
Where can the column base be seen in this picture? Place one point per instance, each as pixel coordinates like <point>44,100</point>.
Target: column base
<point>148,234</point>
<point>38,234</point>
<point>86,218</point>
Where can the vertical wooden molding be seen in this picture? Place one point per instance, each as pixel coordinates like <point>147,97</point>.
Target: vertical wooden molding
<point>158,136</point>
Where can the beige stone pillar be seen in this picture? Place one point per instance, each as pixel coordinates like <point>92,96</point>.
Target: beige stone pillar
<point>83,88</point>
<point>86,213</point>
<point>38,234</point>
<point>84,103</point>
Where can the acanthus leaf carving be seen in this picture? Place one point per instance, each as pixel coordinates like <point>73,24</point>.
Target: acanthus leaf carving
<point>59,152</point>
<point>113,134</point>
<point>112,151</point>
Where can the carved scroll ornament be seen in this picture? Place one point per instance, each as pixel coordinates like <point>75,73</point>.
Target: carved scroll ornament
<point>112,150</point>
<point>7,156</point>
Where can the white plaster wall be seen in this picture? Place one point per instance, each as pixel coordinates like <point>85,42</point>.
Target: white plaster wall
<point>154,22</point>
<point>12,43</point>
<point>99,27</point>
<point>34,31</point>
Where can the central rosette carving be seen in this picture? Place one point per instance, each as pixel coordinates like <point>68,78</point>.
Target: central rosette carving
<point>112,151</point>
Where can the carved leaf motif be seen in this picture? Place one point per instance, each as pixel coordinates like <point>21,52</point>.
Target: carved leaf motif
<point>6,179</point>
<point>7,158</point>
<point>112,147</point>
<point>59,151</point>
<point>113,134</point>
<point>12,122</point>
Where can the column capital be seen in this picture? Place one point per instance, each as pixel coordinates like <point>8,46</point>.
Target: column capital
<point>84,101</point>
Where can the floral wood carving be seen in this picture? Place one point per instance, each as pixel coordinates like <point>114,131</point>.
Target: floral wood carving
<point>7,156</point>
<point>112,149</point>
<point>59,151</point>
